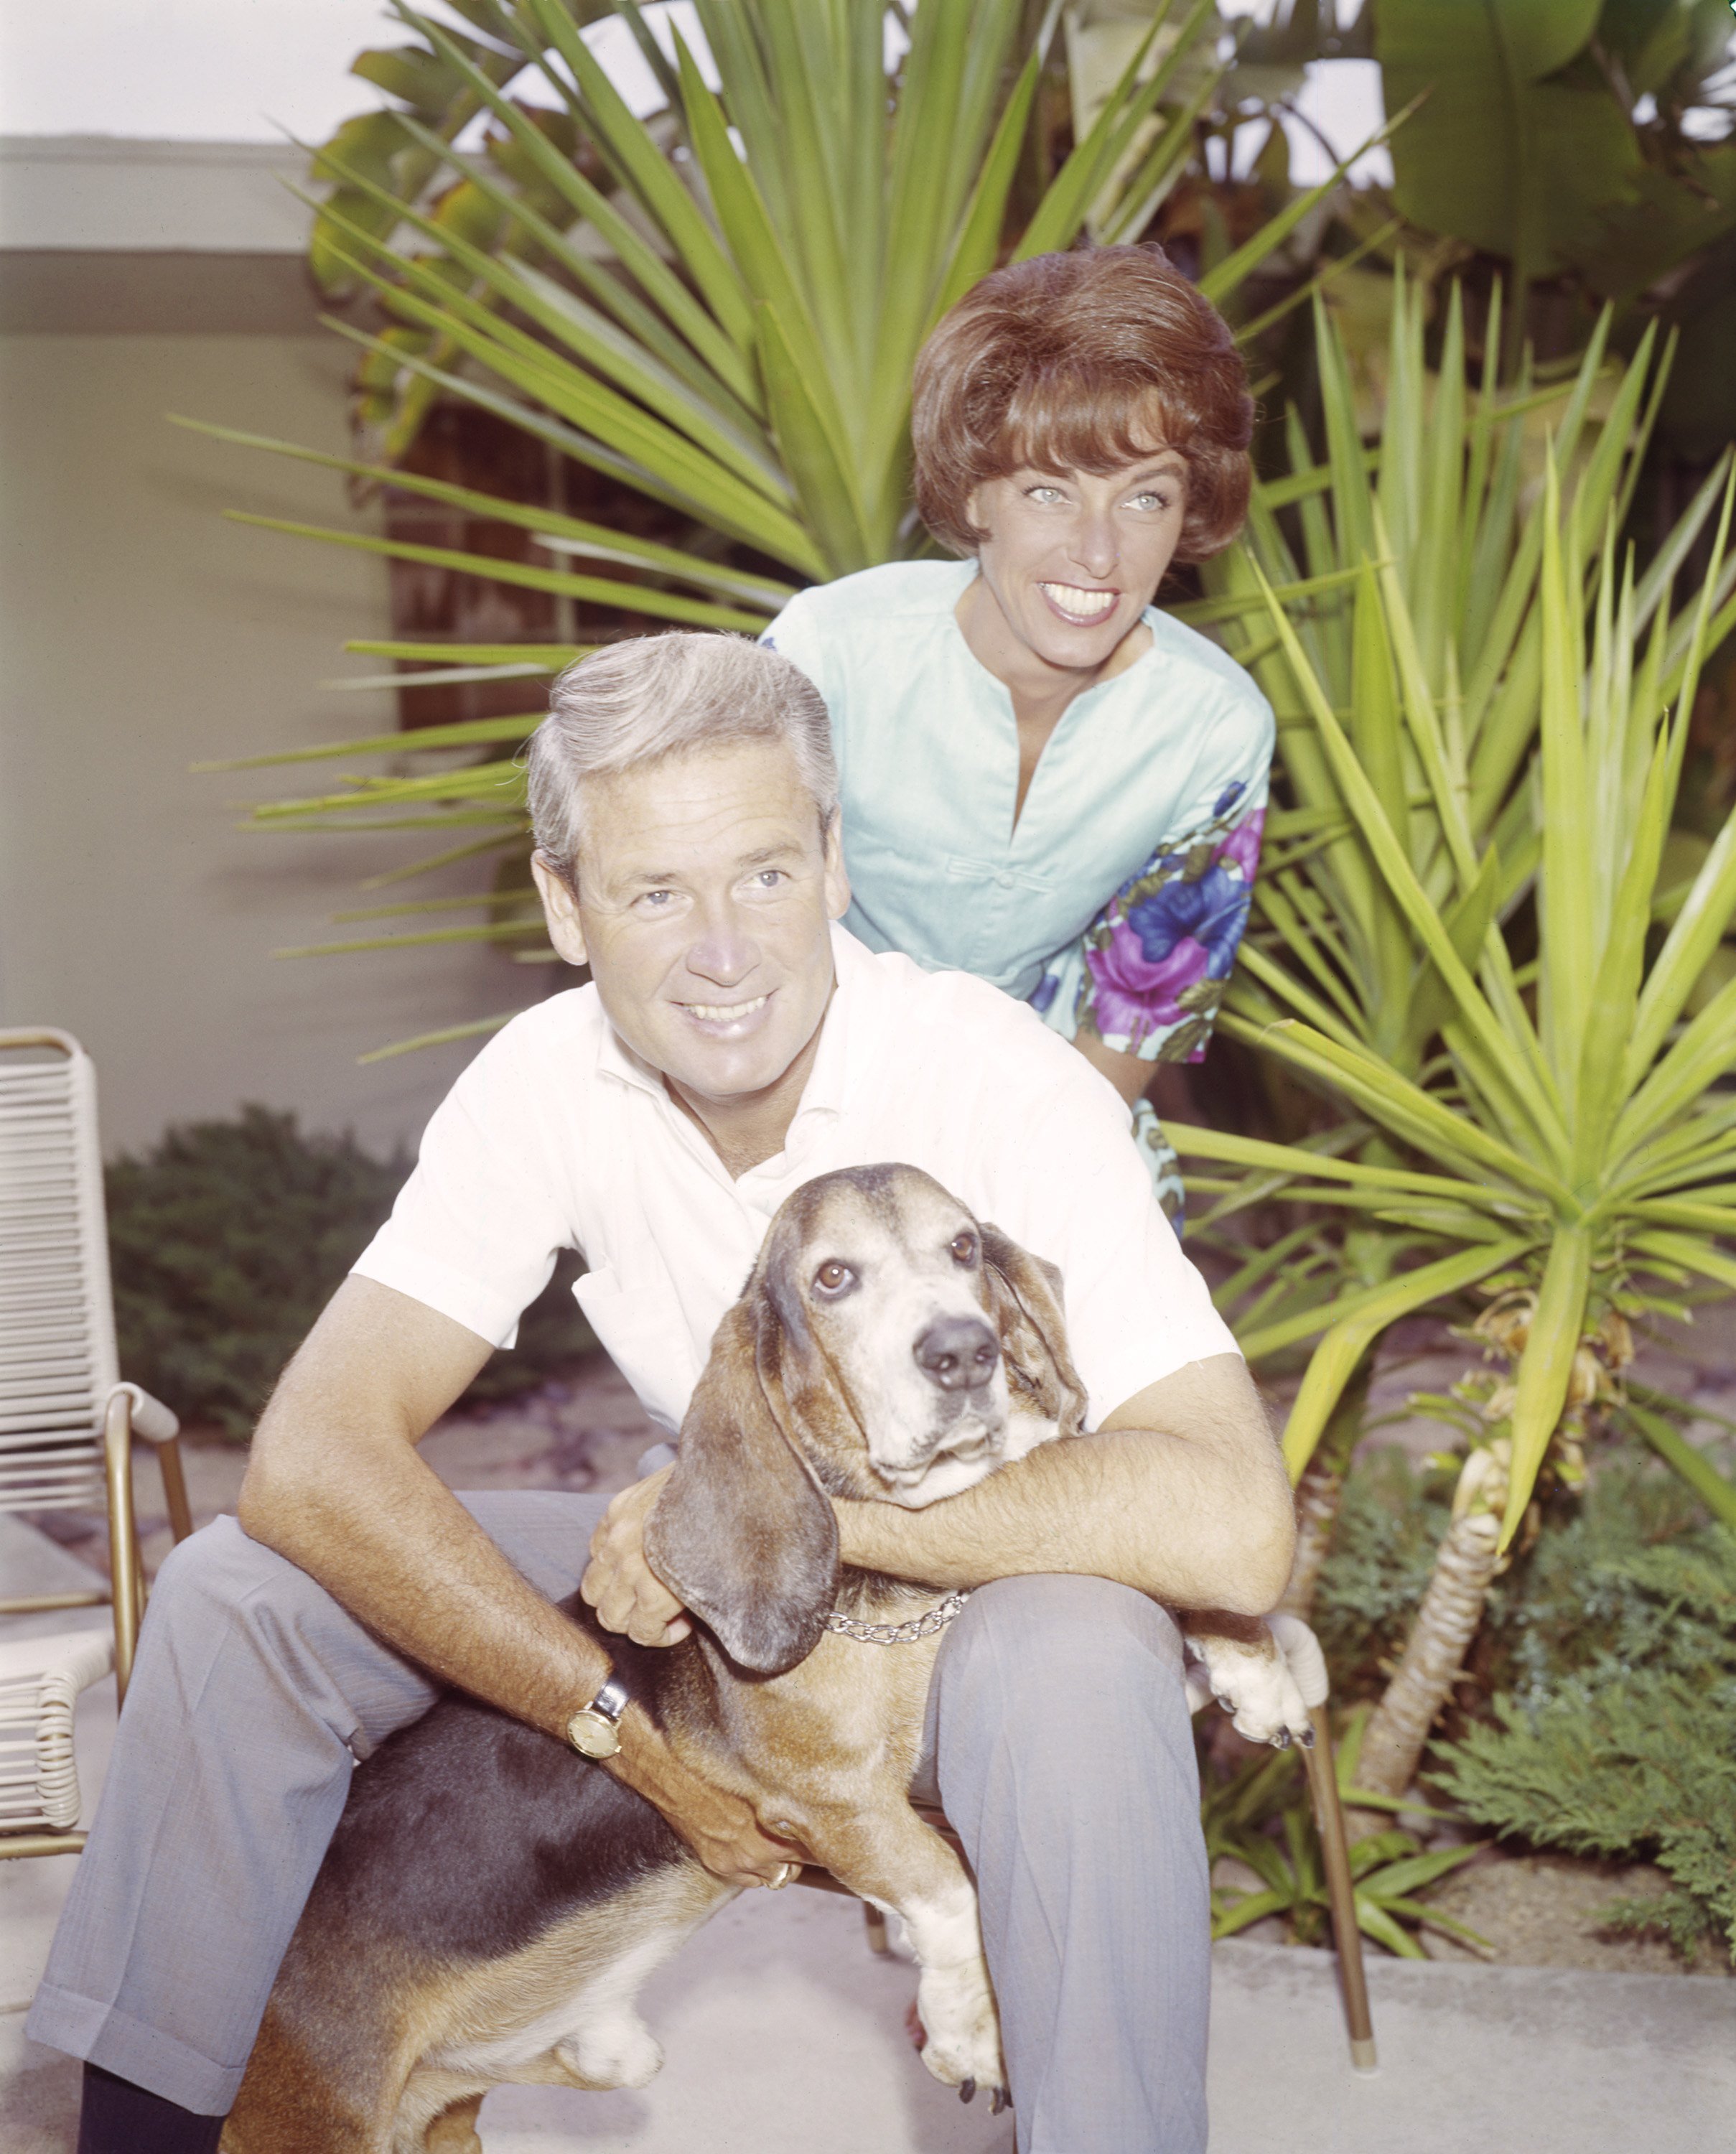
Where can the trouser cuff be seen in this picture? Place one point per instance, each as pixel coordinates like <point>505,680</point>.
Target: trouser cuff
<point>103,2035</point>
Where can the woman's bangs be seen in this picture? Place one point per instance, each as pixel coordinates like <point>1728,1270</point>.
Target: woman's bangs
<point>1066,421</point>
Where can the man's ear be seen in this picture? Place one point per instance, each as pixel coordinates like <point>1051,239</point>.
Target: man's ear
<point>1027,1293</point>
<point>837,879</point>
<point>560,908</point>
<point>742,1534</point>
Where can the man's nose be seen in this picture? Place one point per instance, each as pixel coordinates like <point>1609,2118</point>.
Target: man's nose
<point>722,952</point>
<point>958,1352</point>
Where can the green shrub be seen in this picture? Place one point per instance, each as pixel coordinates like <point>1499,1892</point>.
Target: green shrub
<point>229,1237</point>
<point>1618,1735</point>
<point>1642,1761</point>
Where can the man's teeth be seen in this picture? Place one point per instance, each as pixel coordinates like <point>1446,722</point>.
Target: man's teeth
<point>1086,605</point>
<point>721,1012</point>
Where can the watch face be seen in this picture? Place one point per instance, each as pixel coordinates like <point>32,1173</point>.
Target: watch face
<point>593,1734</point>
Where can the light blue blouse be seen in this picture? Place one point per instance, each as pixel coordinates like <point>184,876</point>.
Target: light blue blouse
<point>1144,765</point>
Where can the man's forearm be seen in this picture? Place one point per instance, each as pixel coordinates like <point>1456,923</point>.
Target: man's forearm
<point>390,1542</point>
<point>1191,1521</point>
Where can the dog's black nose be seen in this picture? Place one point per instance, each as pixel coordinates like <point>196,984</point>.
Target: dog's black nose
<point>958,1353</point>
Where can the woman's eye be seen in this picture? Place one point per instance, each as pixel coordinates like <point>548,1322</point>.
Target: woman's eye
<point>833,1278</point>
<point>1159,502</point>
<point>1045,496</point>
<point>964,1248</point>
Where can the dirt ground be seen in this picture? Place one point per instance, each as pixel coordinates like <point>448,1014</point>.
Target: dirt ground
<point>586,1432</point>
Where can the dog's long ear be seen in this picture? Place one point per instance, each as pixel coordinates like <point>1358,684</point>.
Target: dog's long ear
<point>742,1535</point>
<point>1027,1292</point>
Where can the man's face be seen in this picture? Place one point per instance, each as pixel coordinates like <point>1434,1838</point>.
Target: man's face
<point>705,889</point>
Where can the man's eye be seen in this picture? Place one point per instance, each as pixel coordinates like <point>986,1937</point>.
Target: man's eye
<point>655,901</point>
<point>833,1278</point>
<point>769,878</point>
<point>964,1248</point>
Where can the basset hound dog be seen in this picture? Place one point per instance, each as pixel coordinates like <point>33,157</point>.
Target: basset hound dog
<point>490,1903</point>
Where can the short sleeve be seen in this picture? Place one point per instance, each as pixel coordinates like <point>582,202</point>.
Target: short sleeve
<point>476,1229</point>
<point>1073,1188</point>
<point>797,636</point>
<point>1149,973</point>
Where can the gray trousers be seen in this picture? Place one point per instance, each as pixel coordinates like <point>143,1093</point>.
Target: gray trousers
<point>1057,1739</point>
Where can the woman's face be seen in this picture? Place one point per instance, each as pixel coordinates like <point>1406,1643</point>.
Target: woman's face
<point>1072,559</point>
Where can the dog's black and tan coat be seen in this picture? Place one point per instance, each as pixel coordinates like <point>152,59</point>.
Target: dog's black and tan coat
<point>492,1904</point>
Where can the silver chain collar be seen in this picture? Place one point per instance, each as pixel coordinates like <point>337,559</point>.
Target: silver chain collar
<point>898,1634</point>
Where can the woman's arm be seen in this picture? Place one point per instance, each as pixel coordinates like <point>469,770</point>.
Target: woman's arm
<point>1165,1084</point>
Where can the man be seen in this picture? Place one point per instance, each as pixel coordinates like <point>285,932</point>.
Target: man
<point>733,1043</point>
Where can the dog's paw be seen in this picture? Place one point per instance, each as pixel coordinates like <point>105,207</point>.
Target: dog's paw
<point>617,2051</point>
<point>964,2046</point>
<point>1256,1684</point>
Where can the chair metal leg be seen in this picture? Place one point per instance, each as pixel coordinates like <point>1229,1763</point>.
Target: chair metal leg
<point>97,1597</point>
<point>39,1843</point>
<point>1329,1817</point>
<point>181,1516</point>
<point>124,1572</point>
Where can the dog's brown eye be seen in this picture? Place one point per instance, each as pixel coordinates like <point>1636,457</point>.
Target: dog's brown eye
<point>833,1278</point>
<point>964,1248</point>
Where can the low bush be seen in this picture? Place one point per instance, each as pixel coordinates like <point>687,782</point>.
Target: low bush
<point>228,1239</point>
<point>1618,1737</point>
<point>1605,1723</point>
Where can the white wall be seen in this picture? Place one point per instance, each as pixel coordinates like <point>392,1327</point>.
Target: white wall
<point>139,632</point>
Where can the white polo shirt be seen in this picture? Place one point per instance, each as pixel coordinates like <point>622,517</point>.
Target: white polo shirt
<point>558,1136</point>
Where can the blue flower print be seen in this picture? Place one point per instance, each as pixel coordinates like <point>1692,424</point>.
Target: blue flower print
<point>1211,912</point>
<point>1228,799</point>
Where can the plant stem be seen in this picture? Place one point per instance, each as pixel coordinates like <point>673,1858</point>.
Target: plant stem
<point>1451,1608</point>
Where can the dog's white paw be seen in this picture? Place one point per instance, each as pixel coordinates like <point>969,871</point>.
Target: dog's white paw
<point>618,2051</point>
<point>1256,1685</point>
<point>963,2049</point>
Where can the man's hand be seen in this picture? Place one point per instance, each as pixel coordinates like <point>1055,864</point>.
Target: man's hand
<point>718,1824</point>
<point>617,1582</point>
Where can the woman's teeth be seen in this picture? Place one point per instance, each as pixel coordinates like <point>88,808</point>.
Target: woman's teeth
<point>1079,604</point>
<point>721,1012</point>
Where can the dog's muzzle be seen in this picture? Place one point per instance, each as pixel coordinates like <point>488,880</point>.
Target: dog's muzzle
<point>958,1353</point>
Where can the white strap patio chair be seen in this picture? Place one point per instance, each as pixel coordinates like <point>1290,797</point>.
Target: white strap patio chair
<point>67,1420</point>
<point>40,1680</point>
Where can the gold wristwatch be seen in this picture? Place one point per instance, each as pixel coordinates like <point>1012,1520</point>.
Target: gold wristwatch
<point>595,1729</point>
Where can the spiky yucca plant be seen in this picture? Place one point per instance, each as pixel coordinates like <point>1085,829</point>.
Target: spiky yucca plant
<point>1566,1139</point>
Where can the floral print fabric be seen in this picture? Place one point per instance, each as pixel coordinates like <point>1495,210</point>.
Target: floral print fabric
<point>1155,960</point>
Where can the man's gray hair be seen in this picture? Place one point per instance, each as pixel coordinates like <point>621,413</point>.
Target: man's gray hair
<point>654,697</point>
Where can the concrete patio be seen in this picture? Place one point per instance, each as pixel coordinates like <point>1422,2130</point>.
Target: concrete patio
<point>785,2036</point>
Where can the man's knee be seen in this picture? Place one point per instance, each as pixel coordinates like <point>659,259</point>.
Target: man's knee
<point>219,1570</point>
<point>1055,1659</point>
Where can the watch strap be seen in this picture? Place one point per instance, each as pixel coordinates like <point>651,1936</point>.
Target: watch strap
<point>611,1701</point>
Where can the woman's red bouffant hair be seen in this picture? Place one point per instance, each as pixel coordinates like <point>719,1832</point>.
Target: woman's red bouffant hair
<point>1082,362</point>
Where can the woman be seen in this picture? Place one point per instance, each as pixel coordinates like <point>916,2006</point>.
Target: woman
<point>1046,781</point>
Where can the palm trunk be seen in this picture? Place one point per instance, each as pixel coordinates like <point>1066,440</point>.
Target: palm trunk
<point>1451,1608</point>
<point>1320,1490</point>
<point>1318,1495</point>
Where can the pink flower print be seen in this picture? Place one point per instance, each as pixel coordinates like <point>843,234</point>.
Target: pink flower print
<point>1135,996</point>
<point>1241,848</point>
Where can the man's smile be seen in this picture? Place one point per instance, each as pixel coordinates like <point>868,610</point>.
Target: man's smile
<point>726,1014</point>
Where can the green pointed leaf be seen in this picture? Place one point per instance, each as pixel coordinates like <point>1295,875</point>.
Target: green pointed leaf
<point>1546,1364</point>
